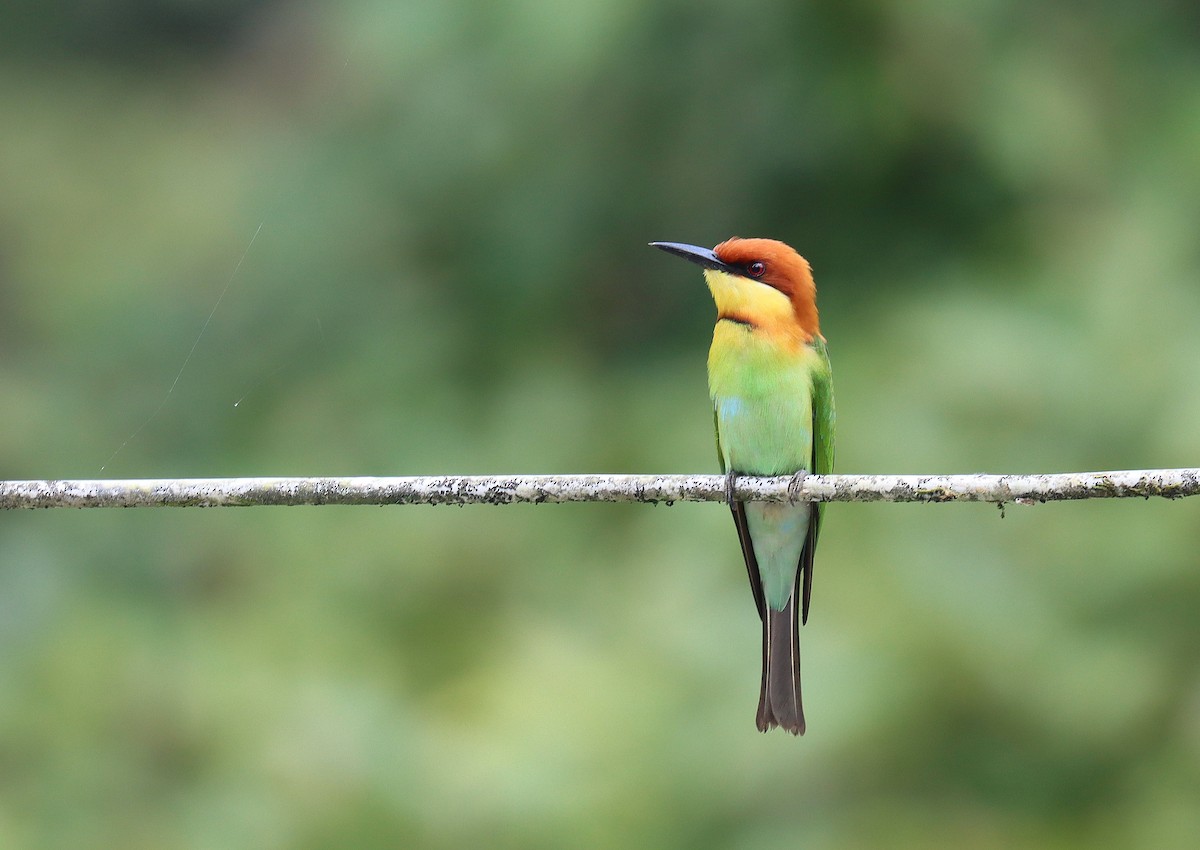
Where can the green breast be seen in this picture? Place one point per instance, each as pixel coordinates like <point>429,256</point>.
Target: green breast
<point>762,395</point>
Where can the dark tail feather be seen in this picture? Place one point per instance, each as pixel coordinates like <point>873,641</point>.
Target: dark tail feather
<point>779,701</point>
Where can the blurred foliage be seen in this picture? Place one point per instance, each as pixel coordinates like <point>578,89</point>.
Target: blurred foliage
<point>423,225</point>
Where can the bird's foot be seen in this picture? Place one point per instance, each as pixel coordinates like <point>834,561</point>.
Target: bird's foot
<point>730,481</point>
<point>796,485</point>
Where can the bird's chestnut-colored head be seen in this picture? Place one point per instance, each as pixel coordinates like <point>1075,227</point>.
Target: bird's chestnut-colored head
<point>756,280</point>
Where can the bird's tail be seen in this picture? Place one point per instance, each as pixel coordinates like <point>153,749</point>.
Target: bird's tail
<point>779,701</point>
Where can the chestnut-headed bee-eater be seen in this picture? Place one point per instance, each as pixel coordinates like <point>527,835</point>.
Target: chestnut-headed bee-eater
<point>772,395</point>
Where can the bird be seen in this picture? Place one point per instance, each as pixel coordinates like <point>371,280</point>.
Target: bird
<point>771,388</point>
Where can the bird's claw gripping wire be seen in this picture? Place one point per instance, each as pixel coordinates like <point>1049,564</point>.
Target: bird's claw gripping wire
<point>796,485</point>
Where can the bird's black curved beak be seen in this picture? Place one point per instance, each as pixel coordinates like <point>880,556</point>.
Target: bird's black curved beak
<point>700,256</point>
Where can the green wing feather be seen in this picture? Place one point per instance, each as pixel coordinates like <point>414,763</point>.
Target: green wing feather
<point>822,463</point>
<point>824,417</point>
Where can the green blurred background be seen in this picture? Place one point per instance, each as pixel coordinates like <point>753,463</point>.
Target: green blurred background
<point>1001,202</point>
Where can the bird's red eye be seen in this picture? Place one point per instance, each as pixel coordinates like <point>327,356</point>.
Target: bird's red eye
<point>756,269</point>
